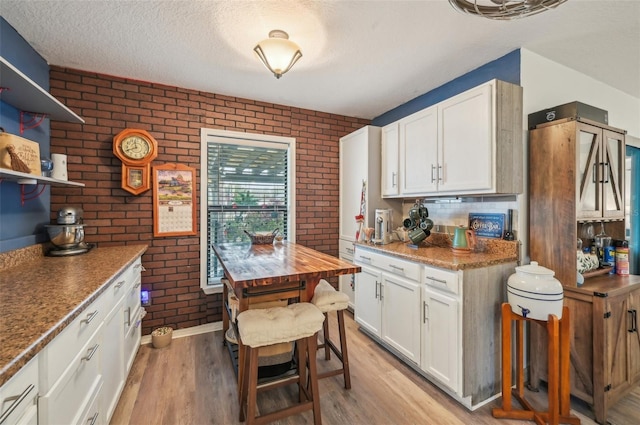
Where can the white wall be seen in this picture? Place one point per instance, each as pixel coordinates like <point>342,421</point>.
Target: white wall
<point>547,84</point>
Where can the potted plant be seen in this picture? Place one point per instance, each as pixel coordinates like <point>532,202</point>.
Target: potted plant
<point>161,337</point>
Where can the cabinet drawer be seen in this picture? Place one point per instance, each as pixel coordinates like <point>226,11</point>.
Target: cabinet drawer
<point>388,263</point>
<point>131,305</point>
<point>346,248</point>
<point>120,286</point>
<point>94,412</point>
<point>56,356</point>
<point>69,396</point>
<point>442,279</point>
<point>19,394</point>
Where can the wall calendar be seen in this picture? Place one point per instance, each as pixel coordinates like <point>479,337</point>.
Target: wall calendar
<point>174,200</point>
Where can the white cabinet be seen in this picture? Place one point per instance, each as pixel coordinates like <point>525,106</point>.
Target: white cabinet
<point>418,150</point>
<point>388,301</point>
<point>83,370</point>
<point>441,330</point>
<point>390,185</point>
<point>401,315</point>
<point>347,282</point>
<point>360,162</point>
<point>470,143</point>
<point>19,396</point>
<point>368,303</point>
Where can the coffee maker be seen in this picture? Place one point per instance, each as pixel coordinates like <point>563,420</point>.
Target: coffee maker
<point>67,236</point>
<point>382,226</point>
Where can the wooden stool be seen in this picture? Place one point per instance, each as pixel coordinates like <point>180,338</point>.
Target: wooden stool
<point>558,380</point>
<point>327,299</point>
<point>297,323</point>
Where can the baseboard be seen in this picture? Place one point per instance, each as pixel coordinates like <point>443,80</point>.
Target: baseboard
<point>194,330</point>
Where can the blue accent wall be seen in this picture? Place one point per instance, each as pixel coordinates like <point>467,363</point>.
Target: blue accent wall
<point>22,225</point>
<point>506,68</point>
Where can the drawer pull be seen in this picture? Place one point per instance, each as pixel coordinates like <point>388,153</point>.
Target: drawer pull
<point>128,316</point>
<point>17,400</point>
<point>634,320</point>
<point>349,250</point>
<point>365,258</point>
<point>90,317</point>
<point>138,284</point>
<point>424,311</point>
<point>119,284</point>
<point>396,267</point>
<point>93,419</point>
<point>437,280</point>
<point>91,351</point>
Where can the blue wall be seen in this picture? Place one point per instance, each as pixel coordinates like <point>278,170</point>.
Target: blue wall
<point>506,68</point>
<point>21,225</point>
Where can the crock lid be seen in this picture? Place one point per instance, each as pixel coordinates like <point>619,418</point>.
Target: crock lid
<point>534,268</point>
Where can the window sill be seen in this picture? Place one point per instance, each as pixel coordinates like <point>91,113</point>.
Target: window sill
<point>212,289</point>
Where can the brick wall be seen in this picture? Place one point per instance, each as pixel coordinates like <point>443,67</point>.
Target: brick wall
<point>174,116</point>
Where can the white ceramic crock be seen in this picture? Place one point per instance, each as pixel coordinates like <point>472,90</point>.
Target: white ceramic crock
<point>533,292</point>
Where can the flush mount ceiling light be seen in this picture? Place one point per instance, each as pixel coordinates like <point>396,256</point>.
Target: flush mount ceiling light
<point>278,53</point>
<point>504,9</point>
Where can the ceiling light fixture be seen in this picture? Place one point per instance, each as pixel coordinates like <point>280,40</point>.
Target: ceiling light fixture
<point>504,9</point>
<point>278,53</point>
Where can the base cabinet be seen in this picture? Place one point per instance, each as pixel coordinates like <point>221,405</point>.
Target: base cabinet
<point>605,348</point>
<point>401,315</point>
<point>440,338</point>
<point>368,303</point>
<point>347,282</point>
<point>19,397</point>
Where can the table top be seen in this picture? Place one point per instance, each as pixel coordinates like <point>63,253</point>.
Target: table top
<point>247,265</point>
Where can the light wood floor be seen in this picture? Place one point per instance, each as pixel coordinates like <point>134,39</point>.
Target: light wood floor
<point>191,382</point>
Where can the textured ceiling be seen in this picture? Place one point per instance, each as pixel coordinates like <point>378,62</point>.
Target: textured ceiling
<point>360,58</point>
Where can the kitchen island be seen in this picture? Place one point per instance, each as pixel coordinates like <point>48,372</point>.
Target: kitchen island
<point>438,311</point>
<point>40,296</point>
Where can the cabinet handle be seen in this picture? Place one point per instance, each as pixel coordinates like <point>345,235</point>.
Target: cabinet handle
<point>594,173</point>
<point>365,258</point>
<point>424,312</point>
<point>138,284</point>
<point>91,351</point>
<point>634,320</point>
<point>89,317</point>
<point>377,289</point>
<point>433,168</point>
<point>605,172</point>
<point>381,291</point>
<point>119,284</point>
<point>93,419</point>
<point>440,173</point>
<point>437,280</point>
<point>128,316</point>
<point>396,267</point>
<point>349,250</point>
<point>393,179</point>
<point>17,400</point>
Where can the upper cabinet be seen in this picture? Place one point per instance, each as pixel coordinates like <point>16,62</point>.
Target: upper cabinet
<point>389,171</point>
<point>468,144</point>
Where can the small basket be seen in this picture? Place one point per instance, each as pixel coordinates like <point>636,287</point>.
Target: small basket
<point>262,238</point>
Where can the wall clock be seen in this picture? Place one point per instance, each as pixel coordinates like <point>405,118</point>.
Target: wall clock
<point>136,149</point>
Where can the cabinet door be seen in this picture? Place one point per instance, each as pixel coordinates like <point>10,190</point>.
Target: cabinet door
<point>615,343</point>
<point>346,283</point>
<point>390,160</point>
<point>613,153</point>
<point>589,151</point>
<point>353,170</point>
<point>634,335</point>
<point>419,152</point>
<point>441,356</point>
<point>401,315</point>
<point>466,150</point>
<point>367,314</point>
<point>113,371</point>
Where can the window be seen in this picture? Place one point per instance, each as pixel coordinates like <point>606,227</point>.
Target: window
<point>247,184</point>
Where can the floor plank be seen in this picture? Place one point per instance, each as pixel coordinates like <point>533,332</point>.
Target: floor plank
<point>191,382</point>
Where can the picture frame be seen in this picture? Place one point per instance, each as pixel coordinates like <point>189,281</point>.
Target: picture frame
<point>174,200</point>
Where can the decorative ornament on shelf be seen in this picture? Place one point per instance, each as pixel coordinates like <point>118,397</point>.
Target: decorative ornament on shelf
<point>504,9</point>
<point>278,53</point>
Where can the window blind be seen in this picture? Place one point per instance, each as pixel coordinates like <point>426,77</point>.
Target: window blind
<point>247,189</point>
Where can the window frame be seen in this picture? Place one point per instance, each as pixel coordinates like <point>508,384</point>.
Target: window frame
<point>209,135</point>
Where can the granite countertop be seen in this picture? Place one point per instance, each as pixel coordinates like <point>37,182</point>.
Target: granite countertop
<point>436,251</point>
<point>40,296</point>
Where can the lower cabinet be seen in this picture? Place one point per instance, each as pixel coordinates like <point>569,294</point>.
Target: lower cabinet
<point>441,333</point>
<point>446,331</point>
<point>347,282</point>
<point>19,397</point>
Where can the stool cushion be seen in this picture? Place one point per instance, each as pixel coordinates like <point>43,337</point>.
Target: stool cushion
<point>269,326</point>
<point>326,298</point>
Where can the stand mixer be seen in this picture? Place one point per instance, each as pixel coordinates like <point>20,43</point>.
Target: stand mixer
<point>67,236</point>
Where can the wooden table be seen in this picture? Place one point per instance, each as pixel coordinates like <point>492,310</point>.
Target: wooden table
<point>283,270</point>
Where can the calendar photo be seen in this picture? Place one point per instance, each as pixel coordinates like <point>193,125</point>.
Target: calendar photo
<point>174,200</point>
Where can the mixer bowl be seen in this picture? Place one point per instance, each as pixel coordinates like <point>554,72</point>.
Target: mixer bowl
<point>66,236</point>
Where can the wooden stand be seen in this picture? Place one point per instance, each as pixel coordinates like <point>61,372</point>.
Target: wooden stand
<point>558,379</point>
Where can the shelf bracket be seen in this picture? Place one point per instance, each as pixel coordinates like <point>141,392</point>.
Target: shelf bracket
<point>32,194</point>
<point>29,120</point>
